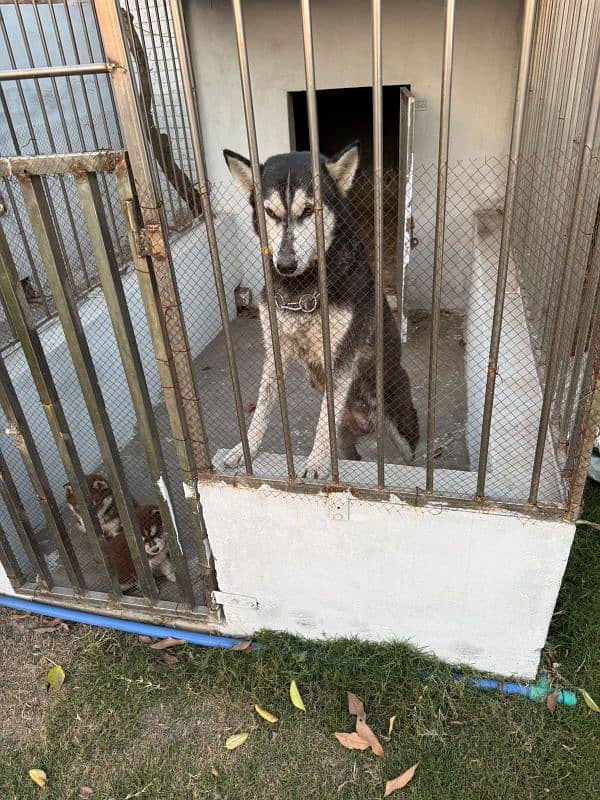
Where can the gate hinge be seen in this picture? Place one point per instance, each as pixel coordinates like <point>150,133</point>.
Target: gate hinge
<point>238,600</point>
<point>148,238</point>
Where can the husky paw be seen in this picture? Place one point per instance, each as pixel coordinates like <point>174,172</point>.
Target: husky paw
<point>317,465</point>
<point>169,573</point>
<point>235,457</point>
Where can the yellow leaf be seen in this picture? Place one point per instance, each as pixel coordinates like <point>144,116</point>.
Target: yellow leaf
<point>351,741</point>
<point>391,724</point>
<point>401,780</point>
<point>590,702</point>
<point>56,677</point>
<point>235,741</point>
<point>266,715</point>
<point>38,776</point>
<point>295,696</point>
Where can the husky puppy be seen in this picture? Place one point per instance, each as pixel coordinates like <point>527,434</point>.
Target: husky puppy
<point>289,208</point>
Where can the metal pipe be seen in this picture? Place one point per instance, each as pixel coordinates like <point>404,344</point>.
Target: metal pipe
<point>513,167</point>
<point>377,68</point>
<point>54,72</point>
<point>35,201</point>
<point>127,626</point>
<point>313,133</point>
<point>116,303</point>
<point>190,95</point>
<point>440,224</point>
<point>583,169</point>
<point>405,168</point>
<point>246,85</point>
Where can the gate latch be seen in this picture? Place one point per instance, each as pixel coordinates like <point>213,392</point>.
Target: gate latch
<point>148,239</point>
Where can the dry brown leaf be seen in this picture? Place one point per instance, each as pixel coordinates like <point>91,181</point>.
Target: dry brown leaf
<point>551,700</point>
<point>164,643</point>
<point>246,644</point>
<point>45,629</point>
<point>351,741</point>
<point>169,659</point>
<point>367,734</point>
<point>356,707</point>
<point>401,780</point>
<point>391,724</point>
<point>145,639</point>
<point>20,617</point>
<point>85,791</point>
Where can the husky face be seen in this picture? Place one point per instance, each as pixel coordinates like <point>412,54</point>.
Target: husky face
<point>289,204</point>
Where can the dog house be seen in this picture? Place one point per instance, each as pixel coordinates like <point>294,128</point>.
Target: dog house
<point>131,345</point>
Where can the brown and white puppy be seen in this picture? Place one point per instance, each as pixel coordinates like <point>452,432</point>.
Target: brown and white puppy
<point>103,502</point>
<point>155,543</point>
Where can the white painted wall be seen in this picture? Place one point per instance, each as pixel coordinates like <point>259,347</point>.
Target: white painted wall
<point>470,588</point>
<point>486,52</point>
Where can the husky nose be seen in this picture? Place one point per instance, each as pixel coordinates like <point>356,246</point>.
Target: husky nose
<point>286,264</point>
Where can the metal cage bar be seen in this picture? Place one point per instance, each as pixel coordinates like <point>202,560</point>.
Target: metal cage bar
<point>405,167</point>
<point>440,223</point>
<point>313,133</point>
<point>190,95</point>
<point>509,198</point>
<point>240,34</point>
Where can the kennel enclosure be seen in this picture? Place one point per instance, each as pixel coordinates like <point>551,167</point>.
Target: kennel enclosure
<point>139,354</point>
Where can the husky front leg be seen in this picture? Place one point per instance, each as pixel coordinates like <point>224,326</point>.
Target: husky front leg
<point>318,463</point>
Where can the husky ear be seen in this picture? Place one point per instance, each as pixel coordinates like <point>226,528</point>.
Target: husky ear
<point>342,167</point>
<point>240,168</point>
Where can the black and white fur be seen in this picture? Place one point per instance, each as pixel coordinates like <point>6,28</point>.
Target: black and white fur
<point>289,208</point>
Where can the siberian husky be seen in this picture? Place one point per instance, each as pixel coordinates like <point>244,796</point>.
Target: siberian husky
<point>289,208</point>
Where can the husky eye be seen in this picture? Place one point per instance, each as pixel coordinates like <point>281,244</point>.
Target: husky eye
<point>270,213</point>
<point>307,212</point>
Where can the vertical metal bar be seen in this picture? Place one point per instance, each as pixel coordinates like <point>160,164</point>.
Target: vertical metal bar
<point>440,224</point>
<point>191,102</point>
<point>377,69</point>
<point>9,561</point>
<point>16,510</point>
<point>56,271</point>
<point>313,133</point>
<point>240,34</point>
<point>18,311</point>
<point>401,222</point>
<point>159,290</point>
<point>505,239</point>
<point>93,211</point>
<point>583,169</point>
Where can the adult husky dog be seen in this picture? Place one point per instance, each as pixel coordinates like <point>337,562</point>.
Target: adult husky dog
<point>289,208</point>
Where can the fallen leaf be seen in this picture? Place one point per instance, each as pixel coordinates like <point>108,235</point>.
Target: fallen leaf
<point>401,780</point>
<point>590,702</point>
<point>551,701</point>
<point>39,777</point>
<point>356,707</point>
<point>56,677</point>
<point>391,724</point>
<point>214,772</point>
<point>245,644</point>
<point>85,791</point>
<point>250,407</point>
<point>295,696</point>
<point>266,715</point>
<point>367,734</point>
<point>351,741</point>
<point>169,659</point>
<point>145,639</point>
<point>20,617</point>
<point>164,643</point>
<point>235,741</point>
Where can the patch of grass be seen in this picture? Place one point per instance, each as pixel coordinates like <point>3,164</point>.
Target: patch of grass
<point>129,727</point>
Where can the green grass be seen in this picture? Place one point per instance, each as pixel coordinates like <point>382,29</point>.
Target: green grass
<point>129,727</point>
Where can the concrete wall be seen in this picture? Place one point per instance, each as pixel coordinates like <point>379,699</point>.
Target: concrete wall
<point>486,52</point>
<point>471,588</point>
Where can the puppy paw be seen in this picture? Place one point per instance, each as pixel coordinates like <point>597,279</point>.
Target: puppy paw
<point>316,466</point>
<point>235,457</point>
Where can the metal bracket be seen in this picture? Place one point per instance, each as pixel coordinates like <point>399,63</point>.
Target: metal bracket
<point>148,238</point>
<point>237,600</point>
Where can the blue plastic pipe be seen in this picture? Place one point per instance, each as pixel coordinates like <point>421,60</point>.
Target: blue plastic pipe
<point>102,621</point>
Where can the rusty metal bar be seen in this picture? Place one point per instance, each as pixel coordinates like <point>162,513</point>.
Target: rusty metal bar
<point>159,287</point>
<point>190,94</point>
<point>108,271</point>
<point>509,197</point>
<point>583,169</point>
<point>377,71</point>
<point>98,161</point>
<point>56,272</point>
<point>14,505</point>
<point>440,225</point>
<point>246,85</point>
<point>313,133</point>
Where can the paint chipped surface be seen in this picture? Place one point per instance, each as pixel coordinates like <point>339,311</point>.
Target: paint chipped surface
<point>189,490</point>
<point>162,488</point>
